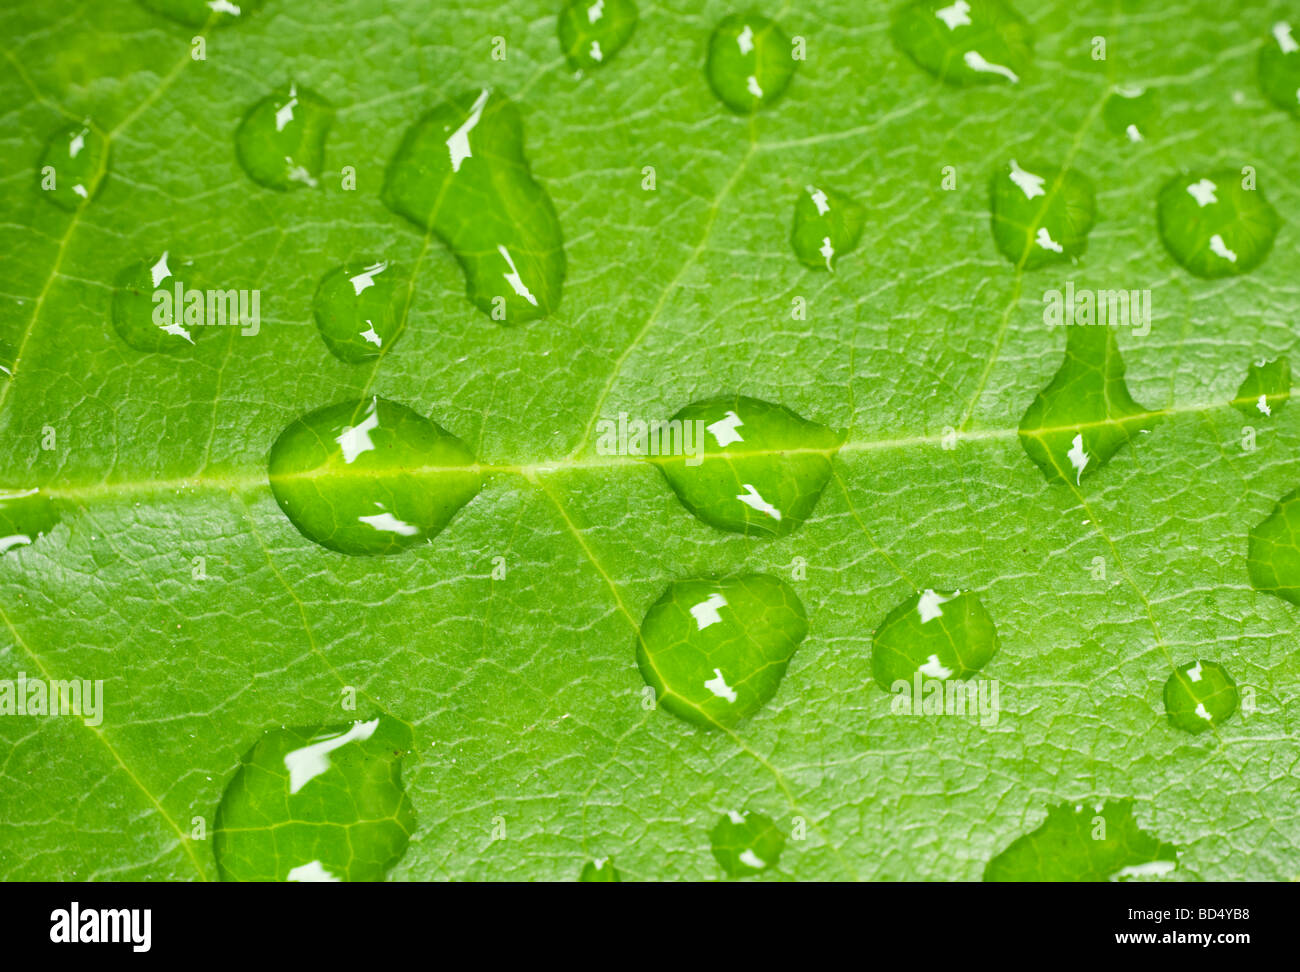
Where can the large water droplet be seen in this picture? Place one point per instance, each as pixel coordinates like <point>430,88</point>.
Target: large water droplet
<point>750,62</point>
<point>1213,225</point>
<point>1041,214</point>
<point>937,634</point>
<point>965,41</point>
<point>281,141</point>
<point>827,225</point>
<point>317,804</point>
<point>1077,422</point>
<point>1199,695</point>
<point>25,514</point>
<point>601,870</point>
<point>755,467</point>
<point>461,172</point>
<point>1085,843</point>
<point>745,844</point>
<point>1273,550</point>
<point>370,477</point>
<point>1266,389</point>
<point>715,650</point>
<point>73,166</point>
<point>155,308</point>
<point>593,31</point>
<point>358,309</point>
<point>1129,111</point>
<point>199,13</point>
<point>1279,67</point>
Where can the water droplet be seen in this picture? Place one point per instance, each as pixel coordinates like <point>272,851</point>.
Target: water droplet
<point>155,308</point>
<point>25,514</point>
<point>281,141</point>
<point>73,166</point>
<point>827,225</point>
<point>1199,695</point>
<point>8,358</point>
<point>960,42</point>
<point>1041,214</point>
<point>600,870</point>
<point>358,309</point>
<point>1266,388</point>
<point>1273,550</point>
<point>1085,843</point>
<point>370,477</point>
<point>1129,111</point>
<point>1086,413</point>
<point>461,171</point>
<point>1279,67</point>
<point>937,634</point>
<point>750,62</point>
<point>198,13</point>
<point>756,468</point>
<point>715,651</point>
<point>1213,225</point>
<point>745,844</point>
<point>317,804</point>
<point>593,31</point>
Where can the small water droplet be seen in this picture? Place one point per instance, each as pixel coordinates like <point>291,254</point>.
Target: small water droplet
<point>827,225</point>
<point>199,13</point>
<point>358,309</point>
<point>1266,389</point>
<point>461,171</point>
<point>155,306</point>
<point>281,140</point>
<point>756,467</point>
<point>745,844</point>
<point>592,31</point>
<point>73,166</point>
<point>1213,225</point>
<point>1129,111</point>
<point>1279,67</point>
<point>936,634</point>
<point>317,804</point>
<point>1273,550</point>
<point>750,62</point>
<point>1199,695</point>
<point>960,42</point>
<point>25,515</point>
<point>601,870</point>
<point>1041,214</point>
<point>715,651</point>
<point>370,477</point>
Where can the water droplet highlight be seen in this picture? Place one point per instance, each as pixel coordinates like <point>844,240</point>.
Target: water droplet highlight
<point>963,43</point>
<point>73,166</point>
<point>936,634</point>
<point>1279,67</point>
<point>155,308</point>
<point>358,310</point>
<point>827,225</point>
<point>1041,214</point>
<point>745,844</point>
<point>1199,695</point>
<point>1214,226</point>
<point>591,32</point>
<point>601,870</point>
<point>25,515</point>
<point>1129,111</point>
<point>1266,389</point>
<point>750,62</point>
<point>1273,551</point>
<point>281,141</point>
<point>199,13</point>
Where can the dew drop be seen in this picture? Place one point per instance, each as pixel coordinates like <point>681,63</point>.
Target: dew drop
<point>1266,389</point>
<point>198,13</point>
<point>25,515</point>
<point>461,171</point>
<point>1041,214</point>
<point>601,870</point>
<point>936,634</point>
<point>745,844</point>
<point>1213,225</point>
<point>317,804</point>
<point>358,309</point>
<point>1279,67</point>
<point>827,225</point>
<point>1273,550</point>
<point>715,651</point>
<point>281,140</point>
<point>73,166</point>
<point>1129,112</point>
<point>1199,695</point>
<point>155,308</point>
<point>370,477</point>
<point>592,31</point>
<point>965,42</point>
<point>750,62</point>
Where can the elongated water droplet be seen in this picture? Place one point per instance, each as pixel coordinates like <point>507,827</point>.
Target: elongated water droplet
<point>358,309</point>
<point>199,13</point>
<point>281,141</point>
<point>1078,421</point>
<point>1085,843</point>
<point>1041,214</point>
<point>965,41</point>
<point>1199,695</point>
<point>745,844</point>
<point>1266,389</point>
<point>1213,225</point>
<point>601,870</point>
<point>753,467</point>
<point>750,62</point>
<point>73,166</point>
<point>593,31</point>
<point>461,172</point>
<point>25,515</point>
<point>934,634</point>
<point>8,359</point>
<point>715,651</point>
<point>1129,111</point>
<point>317,804</point>
<point>1279,66</point>
<point>370,477</point>
<point>1273,550</point>
<point>827,225</point>
<point>156,306</point>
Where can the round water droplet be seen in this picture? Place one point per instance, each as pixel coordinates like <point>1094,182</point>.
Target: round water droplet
<point>200,13</point>
<point>73,166</point>
<point>1041,214</point>
<point>1199,695</point>
<point>593,31</point>
<point>601,870</point>
<point>827,225</point>
<point>1279,67</point>
<point>461,172</point>
<point>317,804</point>
<point>1273,551</point>
<point>1266,389</point>
<point>155,306</point>
<point>747,465</point>
<point>934,634</point>
<point>358,309</point>
<point>1129,111</point>
<point>1214,225</point>
<point>965,41</point>
<point>25,514</point>
<point>750,62</point>
<point>745,844</point>
<point>715,651</point>
<point>281,141</point>
<point>370,477</point>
